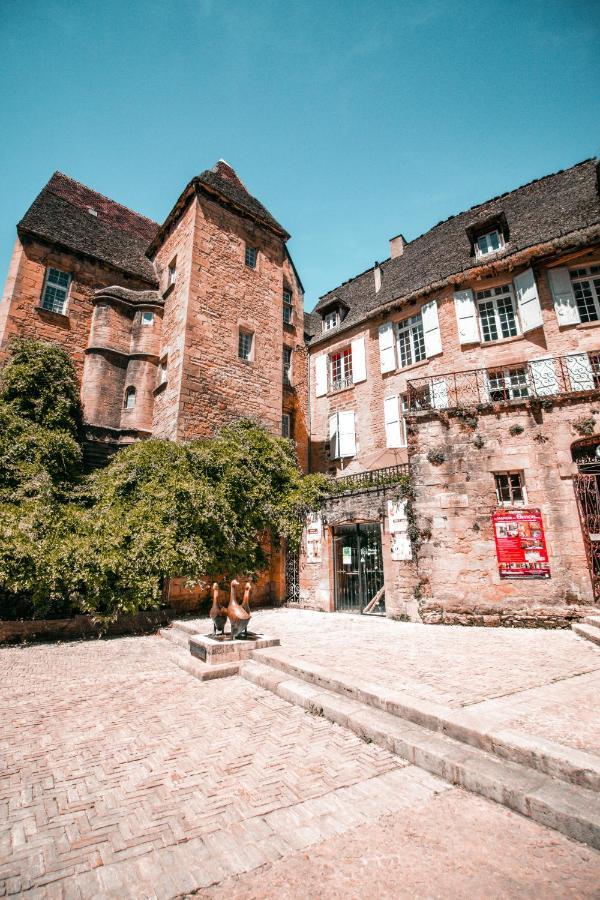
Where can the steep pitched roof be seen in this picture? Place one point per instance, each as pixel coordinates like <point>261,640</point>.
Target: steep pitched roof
<point>222,183</point>
<point>312,324</point>
<point>541,211</point>
<point>61,215</point>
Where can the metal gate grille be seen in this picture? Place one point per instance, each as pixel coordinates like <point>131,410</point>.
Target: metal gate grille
<point>358,569</point>
<point>292,576</point>
<point>588,502</point>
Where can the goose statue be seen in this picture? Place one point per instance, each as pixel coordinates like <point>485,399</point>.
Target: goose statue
<point>237,615</point>
<point>218,611</point>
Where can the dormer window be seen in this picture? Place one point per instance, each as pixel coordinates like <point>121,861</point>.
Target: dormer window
<point>489,242</point>
<point>331,320</point>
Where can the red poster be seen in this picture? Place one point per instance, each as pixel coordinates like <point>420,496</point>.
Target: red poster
<point>520,543</point>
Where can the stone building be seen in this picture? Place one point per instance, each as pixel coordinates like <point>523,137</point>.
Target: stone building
<point>471,358</point>
<point>174,329</point>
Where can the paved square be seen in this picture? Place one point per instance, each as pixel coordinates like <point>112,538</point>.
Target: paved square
<point>122,775</point>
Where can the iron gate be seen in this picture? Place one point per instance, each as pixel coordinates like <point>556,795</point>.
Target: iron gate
<point>587,492</point>
<point>358,568</point>
<point>292,576</point>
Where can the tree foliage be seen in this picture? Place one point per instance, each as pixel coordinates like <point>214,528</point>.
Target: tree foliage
<point>108,542</point>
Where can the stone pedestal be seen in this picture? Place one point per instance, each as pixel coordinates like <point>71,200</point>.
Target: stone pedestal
<point>221,650</point>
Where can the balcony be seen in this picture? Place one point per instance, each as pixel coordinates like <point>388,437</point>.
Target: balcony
<point>374,478</point>
<point>540,379</point>
<point>340,384</point>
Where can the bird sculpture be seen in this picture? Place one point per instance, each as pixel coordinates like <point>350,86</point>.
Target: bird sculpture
<point>218,611</point>
<point>237,615</point>
<point>246,603</point>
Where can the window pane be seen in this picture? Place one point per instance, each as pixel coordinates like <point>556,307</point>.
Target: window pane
<point>585,301</point>
<point>516,487</point>
<point>487,315</point>
<point>518,386</point>
<point>419,341</point>
<point>244,345</point>
<point>506,314</point>
<point>251,257</point>
<point>405,348</point>
<point>502,488</point>
<point>494,240</point>
<point>482,243</point>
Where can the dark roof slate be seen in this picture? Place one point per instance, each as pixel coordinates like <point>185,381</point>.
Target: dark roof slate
<point>540,211</point>
<point>224,180</point>
<point>115,235</point>
<point>312,324</point>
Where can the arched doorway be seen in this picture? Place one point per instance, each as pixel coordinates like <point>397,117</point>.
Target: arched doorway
<point>586,453</point>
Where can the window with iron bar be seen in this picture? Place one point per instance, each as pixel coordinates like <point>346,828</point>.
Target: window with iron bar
<point>510,488</point>
<point>250,257</point>
<point>245,345</point>
<point>340,369</point>
<point>508,384</point>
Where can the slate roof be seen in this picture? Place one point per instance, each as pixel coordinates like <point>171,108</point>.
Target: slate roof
<point>223,183</point>
<point>540,211</point>
<point>116,235</point>
<point>312,324</point>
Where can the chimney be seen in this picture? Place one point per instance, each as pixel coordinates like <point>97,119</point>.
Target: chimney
<point>377,274</point>
<point>397,246</point>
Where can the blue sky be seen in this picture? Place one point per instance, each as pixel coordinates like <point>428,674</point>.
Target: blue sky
<point>351,121</point>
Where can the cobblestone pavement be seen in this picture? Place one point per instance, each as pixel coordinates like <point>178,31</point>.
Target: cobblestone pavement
<point>541,681</point>
<point>429,851</point>
<point>121,775</point>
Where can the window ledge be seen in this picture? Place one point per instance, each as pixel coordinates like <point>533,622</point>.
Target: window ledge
<point>584,325</point>
<point>334,393</point>
<point>60,317</point>
<point>169,290</point>
<point>417,365</point>
<point>289,327</point>
<point>160,388</point>
<point>508,340</point>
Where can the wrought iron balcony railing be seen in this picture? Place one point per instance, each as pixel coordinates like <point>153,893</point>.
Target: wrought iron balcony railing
<point>340,383</point>
<point>539,378</point>
<point>373,478</point>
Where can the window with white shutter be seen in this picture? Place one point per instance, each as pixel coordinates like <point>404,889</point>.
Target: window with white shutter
<point>528,301</point>
<point>321,375</point>
<point>342,435</point>
<point>466,317</point>
<point>387,354</point>
<point>431,329</point>
<point>395,425</point>
<point>359,360</point>
<point>563,296</point>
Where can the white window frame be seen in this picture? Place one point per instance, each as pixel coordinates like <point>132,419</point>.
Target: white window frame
<point>51,283</point>
<point>331,320</point>
<point>287,367</point>
<point>505,383</point>
<point>250,256</point>
<point>480,252</point>
<point>286,425</point>
<point>400,408</point>
<point>335,435</point>
<point>346,379</point>
<point>288,308</point>
<point>588,276</point>
<point>411,326</point>
<point>507,474</point>
<point>243,335</point>
<point>507,291</point>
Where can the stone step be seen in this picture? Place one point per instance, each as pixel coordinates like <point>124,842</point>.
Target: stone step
<point>465,726</point>
<point>592,620</point>
<point>568,808</point>
<point>176,636</point>
<point>589,632</point>
<point>190,627</point>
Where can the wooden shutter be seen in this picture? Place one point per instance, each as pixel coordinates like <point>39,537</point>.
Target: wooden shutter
<point>466,317</point>
<point>334,438</point>
<point>321,375</point>
<point>543,373</point>
<point>391,417</point>
<point>439,393</point>
<point>387,353</point>
<point>359,361</point>
<point>347,434</point>
<point>565,306</point>
<point>431,329</point>
<point>580,371</point>
<point>528,301</point>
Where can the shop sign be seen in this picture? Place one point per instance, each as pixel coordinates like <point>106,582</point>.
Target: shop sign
<point>398,527</point>
<point>520,543</point>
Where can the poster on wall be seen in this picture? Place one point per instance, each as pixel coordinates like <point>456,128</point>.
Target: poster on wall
<point>520,543</point>
<point>398,527</point>
<point>314,531</point>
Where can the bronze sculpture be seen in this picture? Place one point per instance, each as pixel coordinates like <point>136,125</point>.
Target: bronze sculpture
<point>218,611</point>
<point>237,615</point>
<point>246,603</point>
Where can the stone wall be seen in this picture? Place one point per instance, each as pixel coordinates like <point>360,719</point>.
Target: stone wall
<point>77,627</point>
<point>457,567</point>
<point>400,576</point>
